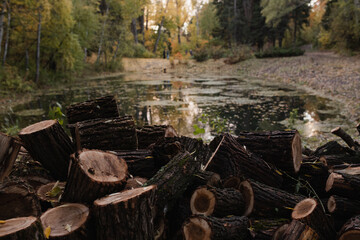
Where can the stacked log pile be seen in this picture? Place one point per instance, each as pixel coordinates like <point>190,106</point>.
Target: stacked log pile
<point>114,180</point>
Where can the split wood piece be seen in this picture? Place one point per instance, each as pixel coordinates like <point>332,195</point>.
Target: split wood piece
<point>316,174</point>
<point>268,201</point>
<point>344,185</point>
<point>297,230</point>
<point>173,179</point>
<point>18,199</point>
<point>9,149</point>
<point>310,212</point>
<point>49,194</point>
<point>48,144</point>
<point>351,229</point>
<point>68,221</point>
<point>344,207</point>
<point>148,135</point>
<point>106,134</point>
<point>21,228</point>
<point>207,178</point>
<point>140,162</point>
<point>135,182</point>
<point>232,159</point>
<point>217,202</point>
<point>331,148</point>
<point>92,175</point>
<point>339,159</point>
<point>346,137</point>
<point>281,148</point>
<point>264,229</point>
<point>126,215</point>
<point>104,107</point>
<point>200,227</point>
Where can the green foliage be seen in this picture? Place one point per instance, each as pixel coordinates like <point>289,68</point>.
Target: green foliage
<point>9,126</point>
<point>201,55</point>
<point>56,113</point>
<point>10,80</point>
<point>294,115</point>
<point>240,53</point>
<point>216,124</point>
<point>141,52</point>
<point>280,52</point>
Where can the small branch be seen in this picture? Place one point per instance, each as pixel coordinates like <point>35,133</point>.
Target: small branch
<point>344,136</point>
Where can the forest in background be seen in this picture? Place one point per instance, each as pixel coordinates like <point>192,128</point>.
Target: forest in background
<point>47,40</point>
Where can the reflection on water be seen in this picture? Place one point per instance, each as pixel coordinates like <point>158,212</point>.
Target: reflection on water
<point>244,105</point>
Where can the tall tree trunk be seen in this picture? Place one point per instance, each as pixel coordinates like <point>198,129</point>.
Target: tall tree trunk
<point>116,50</point>
<point>134,30</point>
<point>85,54</point>
<point>295,27</point>
<point>147,19</point>
<point>27,59</point>
<point>179,35</point>
<point>357,6</point>
<point>160,26</point>
<point>142,26</point>
<point>102,34</point>
<point>197,22</point>
<point>235,23</point>
<point>2,23</point>
<point>37,75</point>
<point>7,32</point>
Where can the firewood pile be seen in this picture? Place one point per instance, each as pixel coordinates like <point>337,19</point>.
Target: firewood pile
<point>114,180</point>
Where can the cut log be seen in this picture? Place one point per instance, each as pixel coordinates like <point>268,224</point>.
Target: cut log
<point>21,228</point>
<point>281,148</point>
<point>106,134</point>
<point>232,182</point>
<point>164,150</point>
<point>351,169</point>
<point>148,135</point>
<point>344,207</point>
<point>339,159</point>
<point>310,212</point>
<point>197,148</point>
<point>346,137</point>
<point>49,194</point>
<point>104,107</point>
<point>48,144</point>
<point>316,174</point>
<point>68,221</point>
<point>207,178</point>
<point>126,215</point>
<point>351,229</point>
<point>231,159</point>
<point>140,162</point>
<point>264,229</point>
<point>92,175</point>
<point>268,201</point>
<point>217,202</point>
<point>344,185</point>
<point>202,227</point>
<point>9,149</point>
<point>331,148</point>
<point>173,179</point>
<point>18,199</point>
<point>135,182</point>
<point>297,230</point>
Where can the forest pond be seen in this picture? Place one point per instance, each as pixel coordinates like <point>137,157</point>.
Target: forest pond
<point>212,104</point>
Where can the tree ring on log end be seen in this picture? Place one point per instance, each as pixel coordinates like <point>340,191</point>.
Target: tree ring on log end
<point>296,152</point>
<point>350,235</point>
<point>331,204</point>
<point>232,182</point>
<point>37,127</point>
<point>197,229</point>
<point>304,208</point>
<point>279,233</point>
<point>72,214</point>
<point>248,195</point>
<point>330,181</point>
<point>15,224</point>
<point>103,167</point>
<point>202,202</point>
<point>123,196</point>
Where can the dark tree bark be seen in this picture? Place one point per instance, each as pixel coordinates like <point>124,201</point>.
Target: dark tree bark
<point>344,185</point>
<point>351,229</point>
<point>21,228</point>
<point>316,174</point>
<point>9,149</point>
<point>330,148</point>
<point>48,144</point>
<point>207,178</point>
<point>297,230</point>
<point>281,148</point>
<point>94,174</point>
<point>134,30</point>
<point>148,135</point>
<point>202,227</point>
<point>231,159</point>
<point>265,228</point>
<point>346,137</point>
<point>126,215</point>
<point>339,159</point>
<point>343,207</point>
<point>69,221</point>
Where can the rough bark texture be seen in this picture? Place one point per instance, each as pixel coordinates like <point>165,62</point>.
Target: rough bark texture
<point>343,207</point>
<point>148,135</point>
<point>330,148</point>
<point>297,230</point>
<point>104,107</point>
<point>49,194</point>
<point>232,159</point>
<point>21,228</point>
<point>106,134</point>
<point>346,137</point>
<point>351,229</point>
<point>315,173</point>
<point>48,144</point>
<point>207,178</point>
<point>173,179</point>
<point>217,202</point>
<point>344,185</point>
<point>202,227</point>
<point>9,149</point>
<point>67,222</point>
<point>140,163</point>
<point>264,229</point>
<point>18,199</point>
<point>339,159</point>
<point>270,202</point>
<point>310,212</point>
<point>126,215</point>
<point>92,175</point>
<point>281,148</point>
